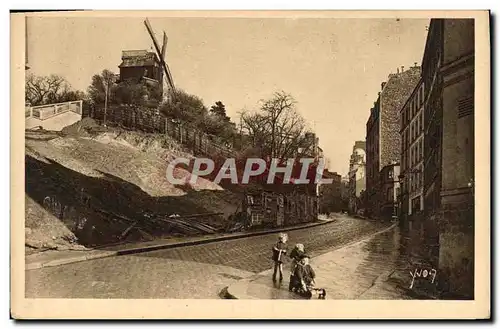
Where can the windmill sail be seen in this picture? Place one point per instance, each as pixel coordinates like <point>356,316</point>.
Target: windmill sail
<point>161,53</point>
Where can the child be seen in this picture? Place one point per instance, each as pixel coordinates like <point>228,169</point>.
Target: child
<point>279,250</point>
<point>305,274</point>
<point>296,255</point>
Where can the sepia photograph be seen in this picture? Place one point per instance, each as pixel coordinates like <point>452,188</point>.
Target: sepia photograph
<point>313,158</point>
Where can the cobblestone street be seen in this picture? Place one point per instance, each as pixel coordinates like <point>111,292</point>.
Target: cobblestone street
<point>188,272</point>
<point>360,270</point>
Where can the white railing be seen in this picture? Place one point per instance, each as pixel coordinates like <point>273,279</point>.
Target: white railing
<point>43,112</point>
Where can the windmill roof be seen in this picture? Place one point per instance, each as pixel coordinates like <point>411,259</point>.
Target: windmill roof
<point>132,58</point>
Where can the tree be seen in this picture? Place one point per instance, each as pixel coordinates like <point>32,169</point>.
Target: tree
<point>257,129</point>
<point>184,107</point>
<point>101,84</point>
<point>278,130</point>
<point>219,110</point>
<point>41,90</point>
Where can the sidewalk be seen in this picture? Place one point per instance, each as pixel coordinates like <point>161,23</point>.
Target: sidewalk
<point>360,270</point>
<point>56,258</point>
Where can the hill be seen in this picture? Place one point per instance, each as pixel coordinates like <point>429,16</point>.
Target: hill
<point>91,186</point>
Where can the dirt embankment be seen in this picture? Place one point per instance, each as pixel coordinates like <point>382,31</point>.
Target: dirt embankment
<point>91,186</point>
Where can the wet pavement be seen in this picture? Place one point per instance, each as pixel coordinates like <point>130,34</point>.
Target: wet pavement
<point>200,271</point>
<point>362,270</point>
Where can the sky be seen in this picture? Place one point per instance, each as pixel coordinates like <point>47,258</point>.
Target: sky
<point>332,67</point>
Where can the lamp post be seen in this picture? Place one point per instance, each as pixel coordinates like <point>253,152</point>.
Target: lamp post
<point>107,81</point>
<point>106,101</point>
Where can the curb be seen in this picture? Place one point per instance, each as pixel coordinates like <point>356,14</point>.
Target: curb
<point>105,254</point>
<point>226,294</point>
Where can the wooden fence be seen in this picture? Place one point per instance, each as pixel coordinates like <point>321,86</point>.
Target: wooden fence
<point>151,121</point>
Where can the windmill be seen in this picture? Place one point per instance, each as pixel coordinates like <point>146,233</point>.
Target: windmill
<point>161,54</point>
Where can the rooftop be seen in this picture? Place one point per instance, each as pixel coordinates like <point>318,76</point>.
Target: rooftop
<point>132,58</point>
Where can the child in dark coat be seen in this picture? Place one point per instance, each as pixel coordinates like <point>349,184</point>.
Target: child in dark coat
<point>305,274</point>
<point>279,251</point>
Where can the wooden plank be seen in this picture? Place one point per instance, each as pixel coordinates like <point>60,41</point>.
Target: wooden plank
<point>124,233</point>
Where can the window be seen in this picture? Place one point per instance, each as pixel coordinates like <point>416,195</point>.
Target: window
<point>415,204</point>
<point>390,194</point>
<point>421,148</point>
<point>421,168</point>
<point>422,119</point>
<point>391,174</point>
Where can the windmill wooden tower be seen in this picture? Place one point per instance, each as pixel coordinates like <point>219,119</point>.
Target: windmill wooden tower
<point>161,52</point>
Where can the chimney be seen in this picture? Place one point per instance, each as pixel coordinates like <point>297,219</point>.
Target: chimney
<point>382,85</point>
<point>397,70</point>
<point>415,64</point>
<point>402,68</point>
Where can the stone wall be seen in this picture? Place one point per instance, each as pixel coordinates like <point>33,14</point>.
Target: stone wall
<point>393,97</point>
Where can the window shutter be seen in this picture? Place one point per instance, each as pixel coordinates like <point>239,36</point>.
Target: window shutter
<point>465,106</point>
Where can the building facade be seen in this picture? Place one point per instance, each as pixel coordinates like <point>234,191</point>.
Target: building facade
<point>448,77</point>
<point>357,177</point>
<point>412,160</point>
<point>330,195</point>
<point>344,192</point>
<point>390,189</point>
<point>382,133</point>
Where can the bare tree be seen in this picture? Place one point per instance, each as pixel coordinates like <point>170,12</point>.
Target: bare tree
<point>45,89</point>
<point>256,127</point>
<point>277,129</point>
<point>275,109</point>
